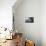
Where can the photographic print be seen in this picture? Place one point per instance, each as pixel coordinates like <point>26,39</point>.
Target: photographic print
<point>29,19</point>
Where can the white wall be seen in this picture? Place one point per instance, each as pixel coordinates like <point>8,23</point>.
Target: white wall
<point>6,13</point>
<point>29,8</point>
<point>43,22</point>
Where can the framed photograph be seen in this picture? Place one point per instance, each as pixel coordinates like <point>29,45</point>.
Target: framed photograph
<point>29,19</point>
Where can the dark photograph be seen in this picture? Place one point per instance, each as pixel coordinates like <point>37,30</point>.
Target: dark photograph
<point>29,20</point>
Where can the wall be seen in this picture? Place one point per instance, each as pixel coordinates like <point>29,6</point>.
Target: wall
<point>43,22</point>
<point>6,13</point>
<point>29,8</point>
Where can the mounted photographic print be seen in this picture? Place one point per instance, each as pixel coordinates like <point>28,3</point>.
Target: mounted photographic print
<point>29,19</point>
